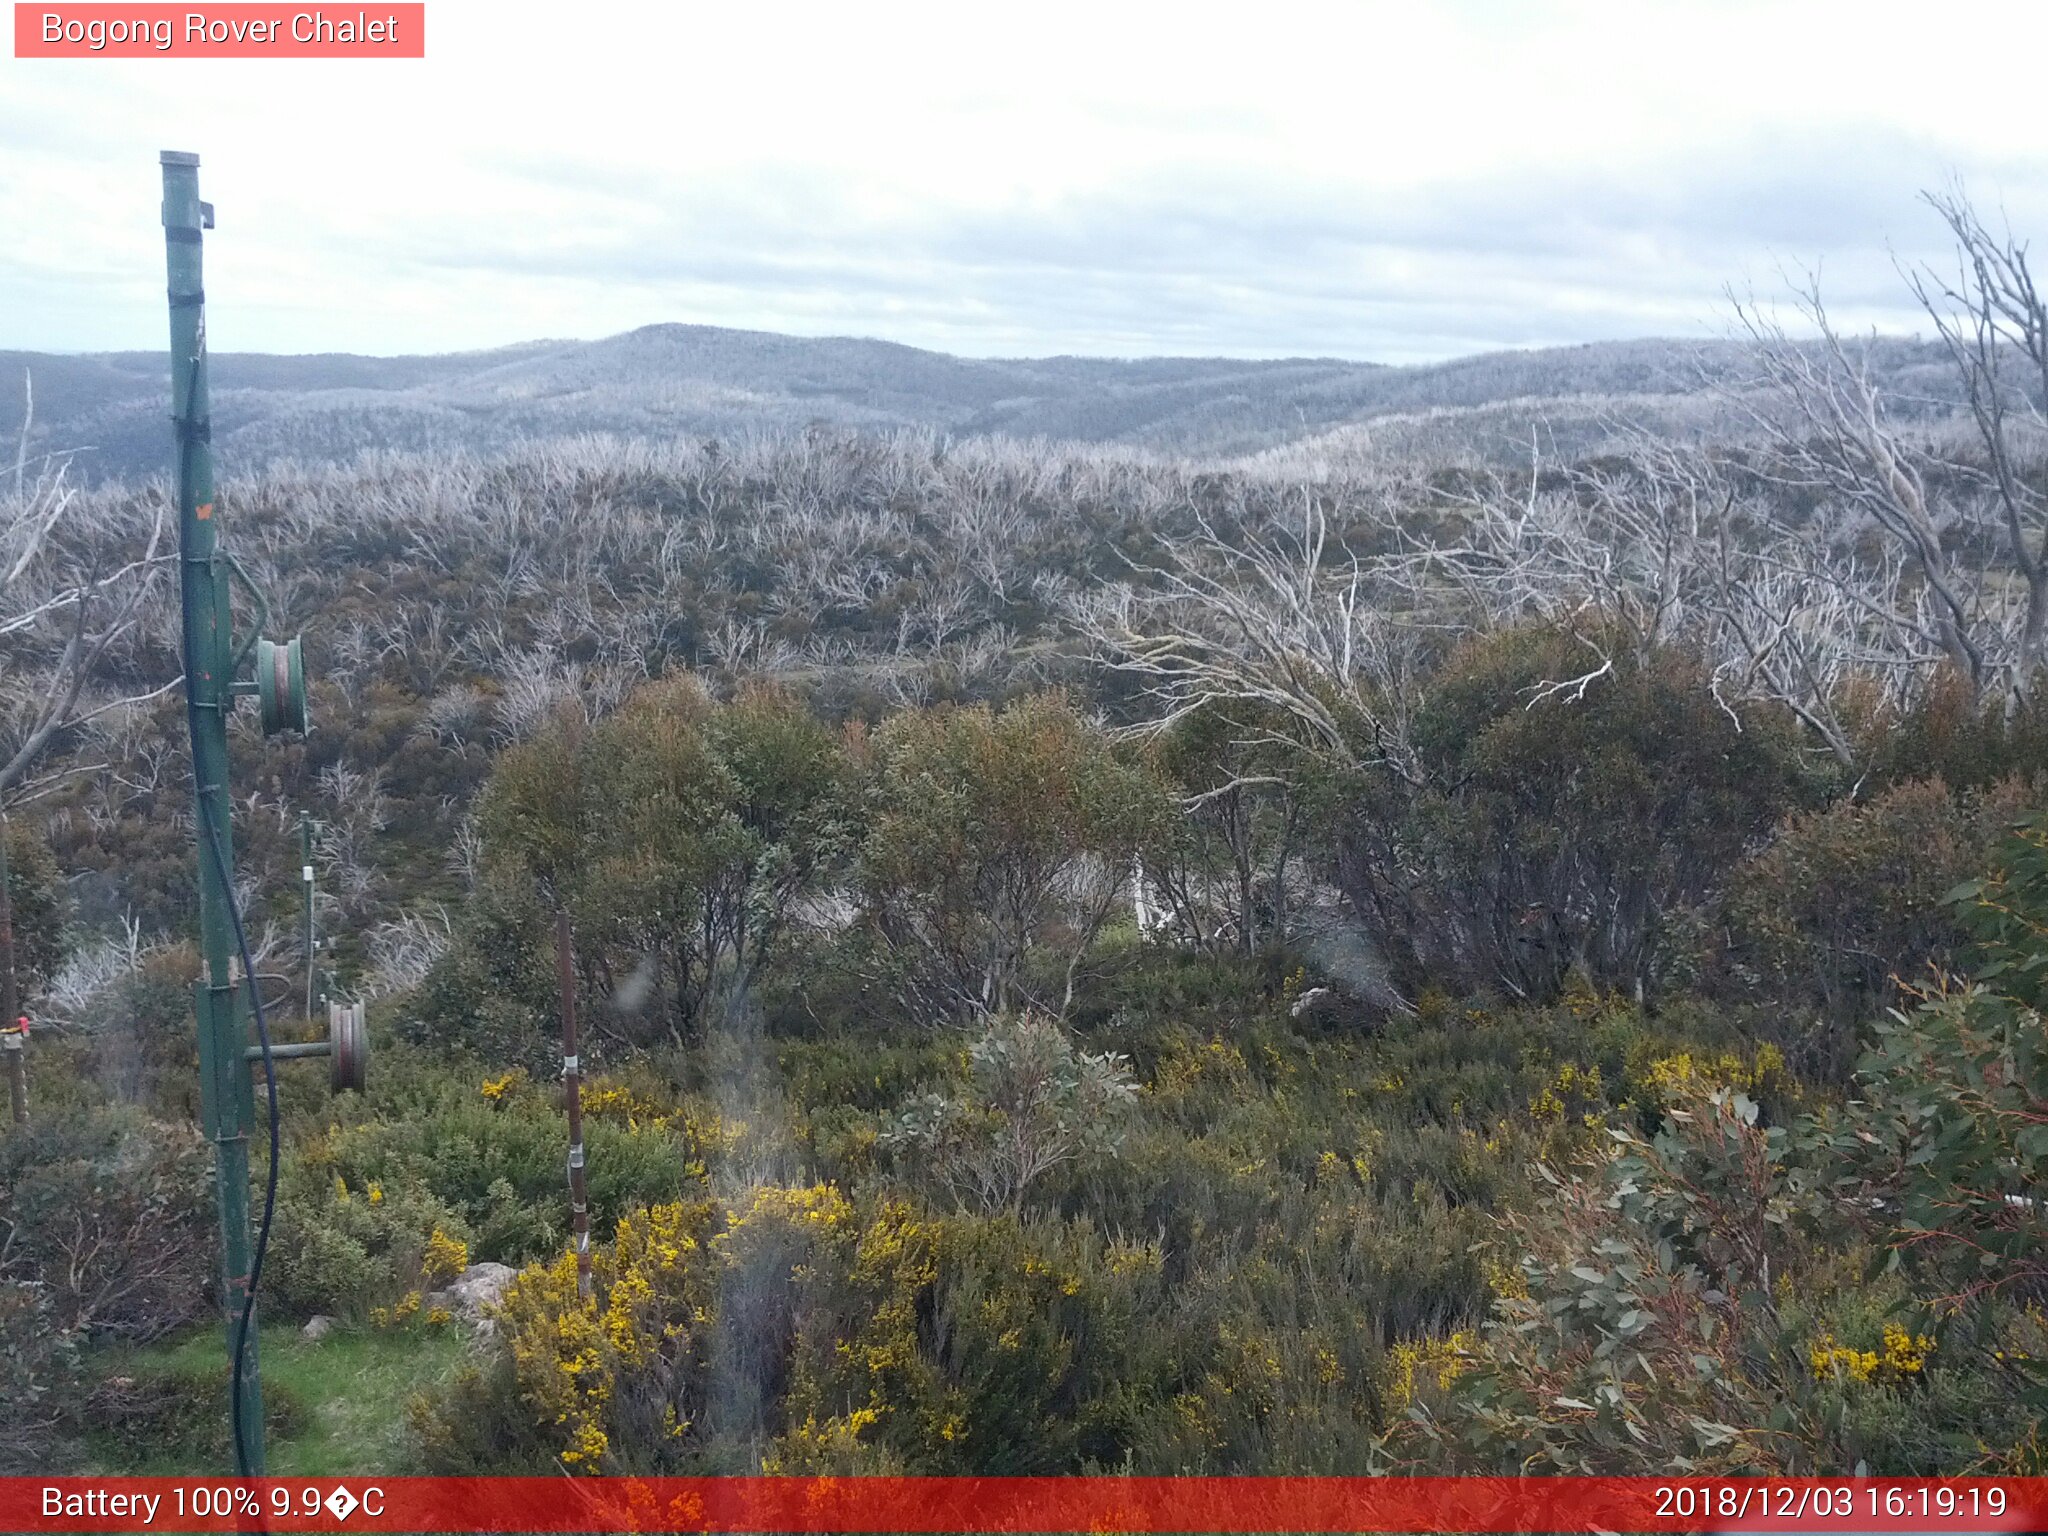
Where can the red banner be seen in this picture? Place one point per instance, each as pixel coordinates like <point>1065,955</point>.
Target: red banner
<point>1038,1504</point>
<point>224,31</point>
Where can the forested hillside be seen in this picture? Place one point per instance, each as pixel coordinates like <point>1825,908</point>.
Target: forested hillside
<point>1394,951</point>
<point>663,381</point>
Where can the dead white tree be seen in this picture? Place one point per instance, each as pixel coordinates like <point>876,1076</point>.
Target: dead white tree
<point>1830,431</point>
<point>69,602</point>
<point>1991,317</point>
<point>1278,619</point>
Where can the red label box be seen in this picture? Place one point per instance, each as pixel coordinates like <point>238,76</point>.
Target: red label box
<point>225,31</point>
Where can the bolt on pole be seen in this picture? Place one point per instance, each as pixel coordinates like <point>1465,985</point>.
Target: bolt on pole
<point>227,1097</point>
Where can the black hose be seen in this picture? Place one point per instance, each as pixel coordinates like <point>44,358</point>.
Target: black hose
<point>220,865</point>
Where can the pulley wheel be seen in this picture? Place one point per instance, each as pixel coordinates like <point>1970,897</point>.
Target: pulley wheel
<point>281,686</point>
<point>348,1059</point>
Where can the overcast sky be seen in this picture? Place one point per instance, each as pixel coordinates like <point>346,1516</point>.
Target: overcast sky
<point>1390,181</point>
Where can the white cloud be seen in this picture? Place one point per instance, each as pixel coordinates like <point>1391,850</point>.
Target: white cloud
<point>1372,180</point>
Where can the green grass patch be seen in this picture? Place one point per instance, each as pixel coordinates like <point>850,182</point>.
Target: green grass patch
<point>333,1408</point>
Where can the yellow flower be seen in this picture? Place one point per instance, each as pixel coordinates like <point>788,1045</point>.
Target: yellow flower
<point>445,1258</point>
<point>1902,1355</point>
<point>588,1448</point>
<point>1446,1359</point>
<point>1905,1354</point>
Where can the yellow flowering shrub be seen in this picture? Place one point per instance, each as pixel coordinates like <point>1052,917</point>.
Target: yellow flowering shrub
<point>397,1315</point>
<point>615,1101</point>
<point>1678,1079</point>
<point>831,1446</point>
<point>1573,1090</point>
<point>614,1368</point>
<point>1899,1357</point>
<point>344,1248</point>
<point>1414,1363</point>
<point>445,1257</point>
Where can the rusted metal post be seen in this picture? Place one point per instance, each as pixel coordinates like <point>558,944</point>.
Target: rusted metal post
<point>572,1092</point>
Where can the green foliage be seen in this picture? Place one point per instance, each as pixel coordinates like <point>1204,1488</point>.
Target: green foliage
<point>136,1042</point>
<point>40,1381</point>
<point>1687,1304</point>
<point>1847,899</point>
<point>343,1251</point>
<point>1659,1322</point>
<point>494,993</point>
<point>997,846</point>
<point>486,1167</point>
<point>1554,829</point>
<point>333,1407</point>
<point>1223,865</point>
<point>1948,1132</point>
<point>35,886</point>
<point>1031,1102</point>
<point>2006,915</point>
<point>680,835</point>
<point>171,1410</point>
<point>110,1214</point>
<point>1951,733</point>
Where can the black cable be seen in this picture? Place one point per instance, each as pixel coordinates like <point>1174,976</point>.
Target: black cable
<point>220,866</point>
<point>210,836</point>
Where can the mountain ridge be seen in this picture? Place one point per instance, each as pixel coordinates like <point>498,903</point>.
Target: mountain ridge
<point>675,378</point>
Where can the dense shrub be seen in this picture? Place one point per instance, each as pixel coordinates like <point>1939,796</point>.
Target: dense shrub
<point>998,844</point>
<point>1709,1297</point>
<point>1847,903</point>
<point>1554,831</point>
<point>345,1251</point>
<point>1690,1305</point>
<point>1224,868</point>
<point>1947,1134</point>
<point>682,837</point>
<point>134,1036</point>
<point>35,888</point>
<point>1030,1103</point>
<point>110,1213</point>
<point>493,993</point>
<point>483,1158</point>
<point>41,1381</point>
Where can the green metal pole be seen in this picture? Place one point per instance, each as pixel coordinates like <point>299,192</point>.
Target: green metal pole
<point>227,1097</point>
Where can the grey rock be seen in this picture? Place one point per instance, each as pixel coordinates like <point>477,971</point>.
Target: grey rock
<point>475,1291</point>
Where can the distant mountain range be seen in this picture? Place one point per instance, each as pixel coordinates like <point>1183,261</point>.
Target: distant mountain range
<point>668,380</point>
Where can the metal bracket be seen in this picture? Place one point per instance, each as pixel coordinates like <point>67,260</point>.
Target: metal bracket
<point>248,585</point>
